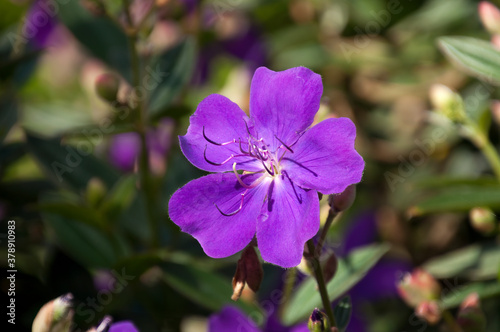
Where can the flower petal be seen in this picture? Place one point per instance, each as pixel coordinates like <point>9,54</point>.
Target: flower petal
<point>289,217</point>
<point>123,326</point>
<point>223,121</point>
<point>230,319</point>
<point>193,209</point>
<point>283,104</point>
<point>324,158</point>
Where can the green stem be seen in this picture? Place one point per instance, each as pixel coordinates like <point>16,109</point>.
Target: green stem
<point>291,276</point>
<point>483,143</point>
<point>450,321</point>
<point>318,273</point>
<point>329,220</point>
<point>141,127</point>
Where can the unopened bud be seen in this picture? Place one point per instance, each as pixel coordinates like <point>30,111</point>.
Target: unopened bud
<point>318,321</point>
<point>330,267</point>
<point>490,17</point>
<point>429,311</point>
<point>248,272</point>
<point>107,86</point>
<point>344,200</point>
<point>55,316</point>
<point>470,316</point>
<point>447,102</point>
<point>417,287</point>
<point>103,326</point>
<point>483,220</point>
<point>495,104</point>
<point>96,190</point>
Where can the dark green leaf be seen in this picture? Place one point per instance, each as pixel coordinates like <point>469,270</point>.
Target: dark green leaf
<point>460,198</point>
<point>102,37</point>
<point>120,197</point>
<point>203,287</point>
<point>69,210</point>
<point>8,116</point>
<point>66,165</point>
<point>172,71</point>
<point>350,271</point>
<point>474,56</point>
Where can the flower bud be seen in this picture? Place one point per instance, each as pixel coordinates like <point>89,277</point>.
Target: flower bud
<point>107,86</point>
<point>490,17</point>
<point>495,104</point>
<point>417,287</point>
<point>96,190</point>
<point>429,311</point>
<point>470,316</point>
<point>318,321</point>
<point>344,200</point>
<point>330,267</point>
<point>248,272</point>
<point>55,316</point>
<point>447,102</point>
<point>483,220</point>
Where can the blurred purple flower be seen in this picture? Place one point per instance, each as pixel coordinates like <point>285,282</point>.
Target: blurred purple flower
<point>40,23</point>
<point>125,148</point>
<point>230,319</point>
<point>239,37</point>
<point>286,163</point>
<point>123,326</point>
<point>380,282</point>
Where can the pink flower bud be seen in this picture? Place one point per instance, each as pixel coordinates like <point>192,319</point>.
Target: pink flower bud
<point>107,86</point>
<point>429,311</point>
<point>470,316</point>
<point>418,287</point>
<point>490,16</point>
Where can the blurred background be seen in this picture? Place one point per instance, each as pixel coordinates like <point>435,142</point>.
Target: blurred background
<point>69,158</point>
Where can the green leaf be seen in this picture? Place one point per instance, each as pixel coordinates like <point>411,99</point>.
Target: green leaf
<point>102,37</point>
<point>472,262</point>
<point>460,198</point>
<point>8,116</point>
<point>67,166</point>
<point>172,70</point>
<point>350,271</point>
<point>444,181</point>
<point>474,56</point>
<point>84,243</point>
<point>342,313</point>
<point>69,210</point>
<point>120,197</point>
<point>203,287</point>
<point>454,296</point>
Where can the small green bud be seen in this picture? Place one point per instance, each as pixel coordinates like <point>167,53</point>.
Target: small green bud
<point>55,316</point>
<point>483,220</point>
<point>96,190</point>
<point>447,102</point>
<point>318,322</point>
<point>107,86</point>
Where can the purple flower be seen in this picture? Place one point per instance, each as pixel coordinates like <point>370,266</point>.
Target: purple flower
<point>284,163</point>
<point>40,23</point>
<point>123,326</point>
<point>230,319</point>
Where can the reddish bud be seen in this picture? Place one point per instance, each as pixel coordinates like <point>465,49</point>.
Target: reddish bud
<point>248,272</point>
<point>344,200</point>
<point>330,267</point>
<point>107,86</point>
<point>470,316</point>
<point>429,311</point>
<point>490,17</point>
<point>417,287</point>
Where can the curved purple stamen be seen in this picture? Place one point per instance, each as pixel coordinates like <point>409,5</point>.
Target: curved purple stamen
<point>222,163</point>
<point>283,144</point>
<point>216,143</point>
<point>238,210</point>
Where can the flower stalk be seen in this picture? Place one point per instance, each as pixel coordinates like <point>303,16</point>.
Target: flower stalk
<point>318,274</point>
<point>141,125</point>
